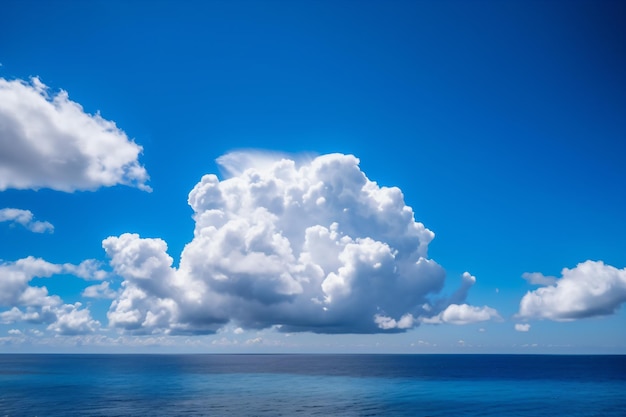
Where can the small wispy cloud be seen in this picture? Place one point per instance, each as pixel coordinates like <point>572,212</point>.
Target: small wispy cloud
<point>26,219</point>
<point>537,278</point>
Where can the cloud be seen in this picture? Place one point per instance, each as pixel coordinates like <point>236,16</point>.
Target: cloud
<point>254,341</point>
<point>386,323</point>
<point>71,320</point>
<point>89,270</point>
<point>463,314</point>
<point>467,282</point>
<point>522,327</point>
<point>101,290</point>
<point>31,314</point>
<point>147,302</point>
<point>14,279</point>
<point>25,218</point>
<point>35,305</point>
<point>590,289</point>
<point>446,310</point>
<point>308,245</point>
<point>63,319</point>
<point>234,164</point>
<point>537,278</point>
<point>48,141</point>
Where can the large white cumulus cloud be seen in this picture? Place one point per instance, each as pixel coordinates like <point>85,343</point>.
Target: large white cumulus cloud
<point>48,141</point>
<point>592,288</point>
<point>314,246</point>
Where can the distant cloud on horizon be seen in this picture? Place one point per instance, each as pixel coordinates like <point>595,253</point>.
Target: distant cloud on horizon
<point>463,314</point>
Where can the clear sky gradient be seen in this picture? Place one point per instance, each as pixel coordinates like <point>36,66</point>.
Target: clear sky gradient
<point>503,123</point>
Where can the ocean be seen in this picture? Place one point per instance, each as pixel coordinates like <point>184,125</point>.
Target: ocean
<point>312,385</point>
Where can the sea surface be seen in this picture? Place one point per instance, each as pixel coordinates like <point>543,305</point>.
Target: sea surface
<point>312,385</point>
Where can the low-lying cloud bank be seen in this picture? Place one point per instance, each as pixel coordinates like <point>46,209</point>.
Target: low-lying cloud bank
<point>48,141</point>
<point>312,246</point>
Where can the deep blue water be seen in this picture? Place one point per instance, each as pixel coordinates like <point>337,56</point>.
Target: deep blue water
<point>312,385</point>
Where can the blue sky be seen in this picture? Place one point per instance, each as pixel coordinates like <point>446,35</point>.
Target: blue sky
<point>502,123</point>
